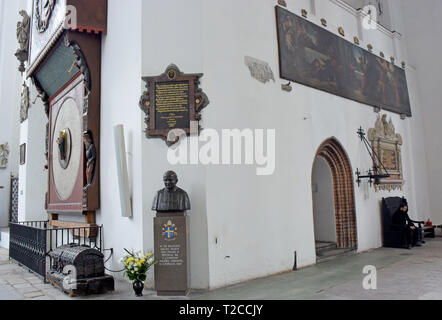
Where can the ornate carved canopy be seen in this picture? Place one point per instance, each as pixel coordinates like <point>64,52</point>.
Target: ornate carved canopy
<point>387,144</point>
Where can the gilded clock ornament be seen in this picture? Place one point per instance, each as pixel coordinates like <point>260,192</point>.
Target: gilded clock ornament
<point>64,142</point>
<point>43,12</point>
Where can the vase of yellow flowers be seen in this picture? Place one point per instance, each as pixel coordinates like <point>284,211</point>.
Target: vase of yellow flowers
<point>136,265</point>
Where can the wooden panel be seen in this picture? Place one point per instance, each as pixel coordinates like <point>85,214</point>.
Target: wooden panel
<point>74,203</point>
<point>91,15</point>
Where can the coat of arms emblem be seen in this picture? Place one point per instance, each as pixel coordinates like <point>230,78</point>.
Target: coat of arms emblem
<point>43,12</point>
<point>169,230</point>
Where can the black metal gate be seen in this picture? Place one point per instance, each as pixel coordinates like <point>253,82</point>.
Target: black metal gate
<point>13,204</point>
<point>27,245</point>
<point>31,242</point>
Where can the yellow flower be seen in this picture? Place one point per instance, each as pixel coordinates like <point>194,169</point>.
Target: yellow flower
<point>129,260</point>
<point>149,255</point>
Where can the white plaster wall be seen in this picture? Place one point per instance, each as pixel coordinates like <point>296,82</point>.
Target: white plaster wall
<point>10,90</point>
<point>256,223</point>
<point>120,91</point>
<point>32,175</point>
<point>422,28</point>
<point>323,202</point>
<point>172,33</point>
<point>33,183</point>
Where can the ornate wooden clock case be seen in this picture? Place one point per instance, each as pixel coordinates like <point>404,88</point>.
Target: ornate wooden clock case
<point>64,65</point>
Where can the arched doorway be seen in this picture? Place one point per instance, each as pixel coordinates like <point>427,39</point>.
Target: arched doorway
<point>333,198</point>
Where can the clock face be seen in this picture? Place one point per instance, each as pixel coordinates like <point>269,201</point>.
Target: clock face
<point>66,148</point>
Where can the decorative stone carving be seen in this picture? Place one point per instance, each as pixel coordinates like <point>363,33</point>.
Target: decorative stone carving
<point>43,12</point>
<point>91,156</point>
<point>42,95</point>
<point>259,70</point>
<point>4,155</point>
<point>304,13</point>
<point>341,31</point>
<point>80,61</point>
<point>282,3</point>
<point>387,144</point>
<point>24,106</point>
<point>23,29</point>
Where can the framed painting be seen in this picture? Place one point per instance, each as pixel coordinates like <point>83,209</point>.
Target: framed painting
<point>315,57</point>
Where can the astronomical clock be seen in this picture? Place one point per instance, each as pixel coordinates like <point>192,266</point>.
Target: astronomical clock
<point>64,64</point>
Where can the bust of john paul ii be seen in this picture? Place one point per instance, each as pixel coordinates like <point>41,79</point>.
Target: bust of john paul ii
<point>171,198</point>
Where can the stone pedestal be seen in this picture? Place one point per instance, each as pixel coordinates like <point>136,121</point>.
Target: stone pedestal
<point>171,250</point>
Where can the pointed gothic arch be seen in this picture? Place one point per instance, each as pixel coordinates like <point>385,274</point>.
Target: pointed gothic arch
<point>343,188</point>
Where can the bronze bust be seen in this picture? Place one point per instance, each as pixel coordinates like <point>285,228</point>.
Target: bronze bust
<point>171,198</point>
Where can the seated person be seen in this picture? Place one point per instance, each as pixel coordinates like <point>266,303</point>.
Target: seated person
<point>402,222</point>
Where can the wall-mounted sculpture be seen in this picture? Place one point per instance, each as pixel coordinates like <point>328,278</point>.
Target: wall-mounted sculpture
<point>387,143</point>
<point>260,70</point>
<point>24,106</point>
<point>43,12</point>
<point>4,155</point>
<point>91,156</point>
<point>23,29</point>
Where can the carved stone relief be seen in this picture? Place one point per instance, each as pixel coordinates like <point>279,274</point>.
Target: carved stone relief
<point>23,29</point>
<point>259,70</point>
<point>4,155</point>
<point>24,106</point>
<point>43,12</point>
<point>387,143</point>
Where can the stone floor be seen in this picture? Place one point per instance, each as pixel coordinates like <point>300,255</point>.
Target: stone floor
<point>401,274</point>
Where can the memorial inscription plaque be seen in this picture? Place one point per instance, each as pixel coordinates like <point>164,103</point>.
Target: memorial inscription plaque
<point>171,238</point>
<point>172,100</point>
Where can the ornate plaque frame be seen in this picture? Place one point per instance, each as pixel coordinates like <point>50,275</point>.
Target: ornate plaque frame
<point>387,144</point>
<point>197,100</point>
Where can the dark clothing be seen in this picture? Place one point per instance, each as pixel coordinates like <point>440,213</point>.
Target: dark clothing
<point>402,222</point>
<point>176,200</point>
<point>401,218</point>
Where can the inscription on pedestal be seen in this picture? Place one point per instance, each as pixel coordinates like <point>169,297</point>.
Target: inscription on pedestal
<point>171,272</point>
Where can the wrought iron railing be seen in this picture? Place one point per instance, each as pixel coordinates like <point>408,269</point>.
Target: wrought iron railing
<point>32,241</point>
<point>27,245</point>
<point>13,200</point>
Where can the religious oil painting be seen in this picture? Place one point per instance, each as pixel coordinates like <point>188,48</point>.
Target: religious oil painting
<point>315,57</point>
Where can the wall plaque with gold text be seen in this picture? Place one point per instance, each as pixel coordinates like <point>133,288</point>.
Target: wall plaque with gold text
<point>172,100</point>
